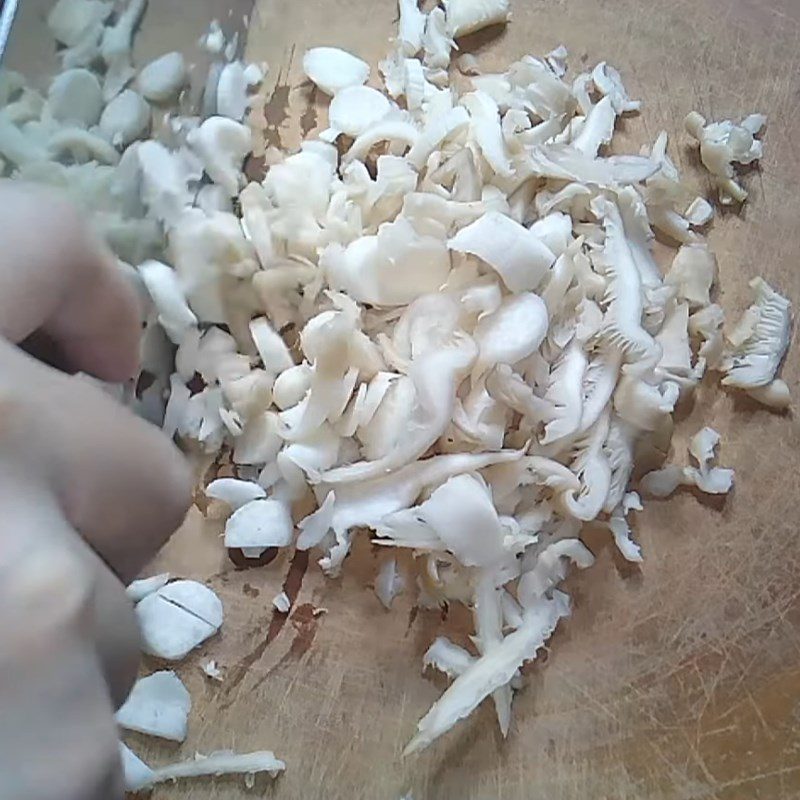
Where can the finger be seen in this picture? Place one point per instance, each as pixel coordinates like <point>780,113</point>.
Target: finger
<point>116,634</point>
<point>61,583</point>
<point>120,482</point>
<point>57,731</point>
<point>57,276</point>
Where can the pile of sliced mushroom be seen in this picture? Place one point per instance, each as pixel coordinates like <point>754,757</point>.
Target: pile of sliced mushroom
<point>453,335</point>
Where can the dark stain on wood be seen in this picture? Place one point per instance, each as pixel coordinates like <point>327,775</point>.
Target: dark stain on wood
<point>292,584</point>
<point>308,119</point>
<point>237,673</point>
<point>255,168</point>
<point>241,561</point>
<point>305,623</point>
<point>412,616</point>
<point>276,112</point>
<point>304,620</point>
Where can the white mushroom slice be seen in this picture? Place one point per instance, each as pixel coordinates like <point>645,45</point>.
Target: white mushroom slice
<point>565,392</point>
<point>282,602</point>
<point>621,531</point>
<point>436,375</point>
<point>211,198</point>
<point>595,478</point>
<point>516,254</point>
<point>164,287</point>
<point>775,394</point>
<point>26,108</point>
<point>436,41</point>
<point>161,79</point>
<point>204,248</point>
<point>386,129</point>
<point>213,40</point>
<point>485,127</point>
<point>82,146</point>
<point>609,83</point>
<point>17,148</point>
<point>125,118</point>
<point>461,514</point>
<point>550,569</point>
<point>366,503</point>
<point>487,613</point>
<point>723,144</point>
<point>222,763</point>
<point>177,618</point>
<point>271,348</point>
<point>555,230</point>
<point>332,69</point>
<point>754,361</point>
<point>557,60</point>
<point>598,128</point>
<point>232,97</point>
<point>693,272</point>
<point>255,205</point>
<point>389,269</point>
<point>236,493</point>
<point>164,180</point>
<point>158,705</point>
<point>291,386</point>
<point>564,162</point>
<point>135,772</point>
<point>622,326</point>
<point>260,523</point>
<point>643,404</point>
<point>68,20</point>
<point>138,590</point>
<point>707,325</point>
<point>116,46</point>
<point>663,482</point>
<point>222,145</point>
<point>388,582</point>
<point>639,236</point>
<point>468,16</point>
<point>411,27</point>
<point>702,446</point>
<point>75,97</point>
<point>675,363</point>
<point>713,480</point>
<point>490,671</point>
<point>512,332</point>
<point>314,527</point>
<point>355,109</point>
<point>707,478</point>
<point>438,129</point>
<point>699,212</point>
<point>177,406</point>
<point>211,670</point>
<point>447,657</point>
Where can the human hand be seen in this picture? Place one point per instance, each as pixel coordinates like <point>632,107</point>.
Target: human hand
<point>88,493</point>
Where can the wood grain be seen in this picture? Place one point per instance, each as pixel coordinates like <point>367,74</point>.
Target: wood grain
<point>680,680</point>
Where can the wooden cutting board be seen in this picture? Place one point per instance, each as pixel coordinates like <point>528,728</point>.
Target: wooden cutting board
<point>677,680</point>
